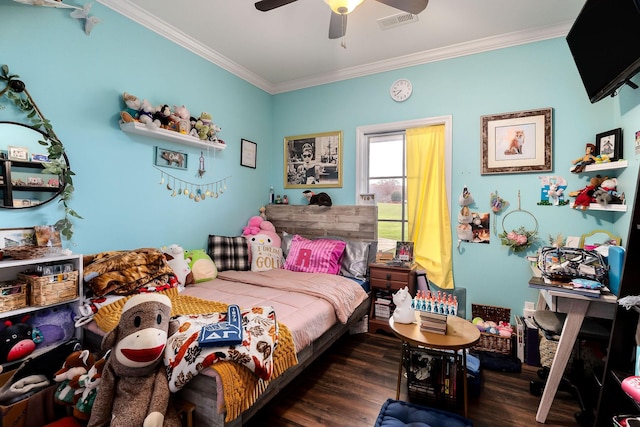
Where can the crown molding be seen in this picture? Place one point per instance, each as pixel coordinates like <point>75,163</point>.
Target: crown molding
<point>140,16</point>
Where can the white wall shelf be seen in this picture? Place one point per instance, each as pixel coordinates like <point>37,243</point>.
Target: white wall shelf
<point>169,135</point>
<point>599,207</point>
<point>605,166</point>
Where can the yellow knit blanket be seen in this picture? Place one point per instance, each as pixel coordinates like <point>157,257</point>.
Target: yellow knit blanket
<point>241,387</point>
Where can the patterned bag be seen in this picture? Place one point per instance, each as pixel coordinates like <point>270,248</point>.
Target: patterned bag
<point>565,264</point>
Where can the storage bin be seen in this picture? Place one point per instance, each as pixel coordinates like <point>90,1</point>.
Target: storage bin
<point>47,290</point>
<point>13,295</point>
<point>492,342</point>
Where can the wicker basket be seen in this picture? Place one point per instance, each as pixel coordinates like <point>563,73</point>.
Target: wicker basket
<point>13,295</point>
<point>492,342</point>
<point>47,290</point>
<point>26,252</point>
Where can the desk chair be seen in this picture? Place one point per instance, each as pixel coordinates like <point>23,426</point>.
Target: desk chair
<point>551,323</point>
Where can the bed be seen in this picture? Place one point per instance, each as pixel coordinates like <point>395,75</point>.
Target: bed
<point>313,313</point>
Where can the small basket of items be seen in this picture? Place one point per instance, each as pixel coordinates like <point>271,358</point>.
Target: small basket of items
<point>495,329</point>
<point>563,264</point>
<point>51,284</point>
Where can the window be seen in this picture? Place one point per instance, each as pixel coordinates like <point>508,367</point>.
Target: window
<point>381,170</point>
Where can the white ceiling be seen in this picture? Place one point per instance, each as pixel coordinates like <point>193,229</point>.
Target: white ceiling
<point>288,48</point>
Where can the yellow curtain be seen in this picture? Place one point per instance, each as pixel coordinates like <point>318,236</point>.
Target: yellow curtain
<point>427,204</point>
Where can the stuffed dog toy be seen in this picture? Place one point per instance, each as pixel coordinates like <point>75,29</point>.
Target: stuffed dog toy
<point>134,390</point>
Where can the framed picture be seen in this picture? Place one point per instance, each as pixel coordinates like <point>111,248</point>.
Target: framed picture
<point>20,154</point>
<point>170,159</point>
<point>47,235</point>
<point>13,237</point>
<point>313,161</point>
<point>404,252</point>
<point>517,142</point>
<point>610,144</point>
<point>248,153</point>
<point>39,158</point>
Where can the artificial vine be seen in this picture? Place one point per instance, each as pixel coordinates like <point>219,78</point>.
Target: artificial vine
<point>18,94</point>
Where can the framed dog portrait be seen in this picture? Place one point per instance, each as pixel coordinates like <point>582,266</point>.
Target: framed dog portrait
<point>517,142</point>
<point>313,161</point>
<point>609,144</point>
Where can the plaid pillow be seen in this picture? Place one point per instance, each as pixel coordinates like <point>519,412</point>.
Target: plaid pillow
<point>229,253</point>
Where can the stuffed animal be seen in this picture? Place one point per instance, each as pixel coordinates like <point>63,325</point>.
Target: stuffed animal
<point>76,364</point>
<point>162,115</point>
<point>134,389</point>
<point>16,341</point>
<point>180,119</point>
<point>587,159</point>
<point>403,312</point>
<point>88,389</point>
<point>584,197</point>
<point>145,115</point>
<point>261,232</point>
<point>180,266</point>
<point>320,199</point>
<point>607,193</point>
<point>202,126</point>
<point>133,105</point>
<point>263,212</point>
<point>202,266</point>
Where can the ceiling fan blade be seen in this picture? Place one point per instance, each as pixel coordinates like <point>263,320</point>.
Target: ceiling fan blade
<point>410,6</point>
<point>337,25</point>
<point>267,5</point>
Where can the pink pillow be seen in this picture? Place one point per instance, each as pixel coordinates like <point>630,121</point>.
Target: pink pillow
<point>314,256</point>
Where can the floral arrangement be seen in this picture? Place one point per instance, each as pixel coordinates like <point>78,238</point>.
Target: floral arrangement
<point>518,240</point>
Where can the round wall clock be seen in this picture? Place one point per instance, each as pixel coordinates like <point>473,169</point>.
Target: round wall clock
<point>401,90</point>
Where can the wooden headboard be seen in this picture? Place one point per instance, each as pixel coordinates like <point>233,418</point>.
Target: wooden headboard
<point>350,222</point>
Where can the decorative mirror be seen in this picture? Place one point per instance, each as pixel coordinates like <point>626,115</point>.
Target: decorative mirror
<point>25,181</point>
<point>34,169</point>
<point>596,238</point>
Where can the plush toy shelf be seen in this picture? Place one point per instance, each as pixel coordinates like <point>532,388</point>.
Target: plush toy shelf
<point>169,135</point>
<point>598,207</point>
<point>606,166</point>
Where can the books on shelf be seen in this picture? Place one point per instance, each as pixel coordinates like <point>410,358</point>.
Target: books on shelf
<point>433,322</point>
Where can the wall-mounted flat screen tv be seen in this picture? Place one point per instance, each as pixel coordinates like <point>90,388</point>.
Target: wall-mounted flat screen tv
<point>605,44</point>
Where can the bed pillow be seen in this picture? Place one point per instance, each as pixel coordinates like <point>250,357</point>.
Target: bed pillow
<point>355,260</point>
<point>229,253</point>
<point>264,257</point>
<point>314,256</point>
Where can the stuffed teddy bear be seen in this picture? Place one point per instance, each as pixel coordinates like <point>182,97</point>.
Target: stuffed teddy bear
<point>180,266</point>
<point>584,197</point>
<point>145,115</point>
<point>134,389</point>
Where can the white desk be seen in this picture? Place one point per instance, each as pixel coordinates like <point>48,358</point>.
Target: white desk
<point>576,307</point>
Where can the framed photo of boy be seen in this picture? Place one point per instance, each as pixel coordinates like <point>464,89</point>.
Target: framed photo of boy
<point>609,144</point>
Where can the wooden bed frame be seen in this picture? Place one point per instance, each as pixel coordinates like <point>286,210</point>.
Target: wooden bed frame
<point>350,222</point>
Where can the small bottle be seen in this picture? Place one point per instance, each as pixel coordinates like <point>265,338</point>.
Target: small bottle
<point>285,200</point>
<point>271,196</point>
<point>278,200</point>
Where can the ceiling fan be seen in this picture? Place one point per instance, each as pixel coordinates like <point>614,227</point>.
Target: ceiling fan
<point>341,8</point>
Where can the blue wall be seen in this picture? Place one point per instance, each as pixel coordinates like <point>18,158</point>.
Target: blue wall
<point>78,81</point>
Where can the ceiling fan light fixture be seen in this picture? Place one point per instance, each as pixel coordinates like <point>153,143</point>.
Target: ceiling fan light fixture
<point>343,7</point>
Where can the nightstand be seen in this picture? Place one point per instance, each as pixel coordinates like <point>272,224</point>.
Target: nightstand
<point>385,280</point>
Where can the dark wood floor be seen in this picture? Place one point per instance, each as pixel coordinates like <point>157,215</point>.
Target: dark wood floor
<point>348,385</point>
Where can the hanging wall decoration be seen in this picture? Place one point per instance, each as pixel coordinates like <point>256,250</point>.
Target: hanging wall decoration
<point>519,239</point>
<point>553,191</point>
<point>194,191</point>
<point>498,204</point>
